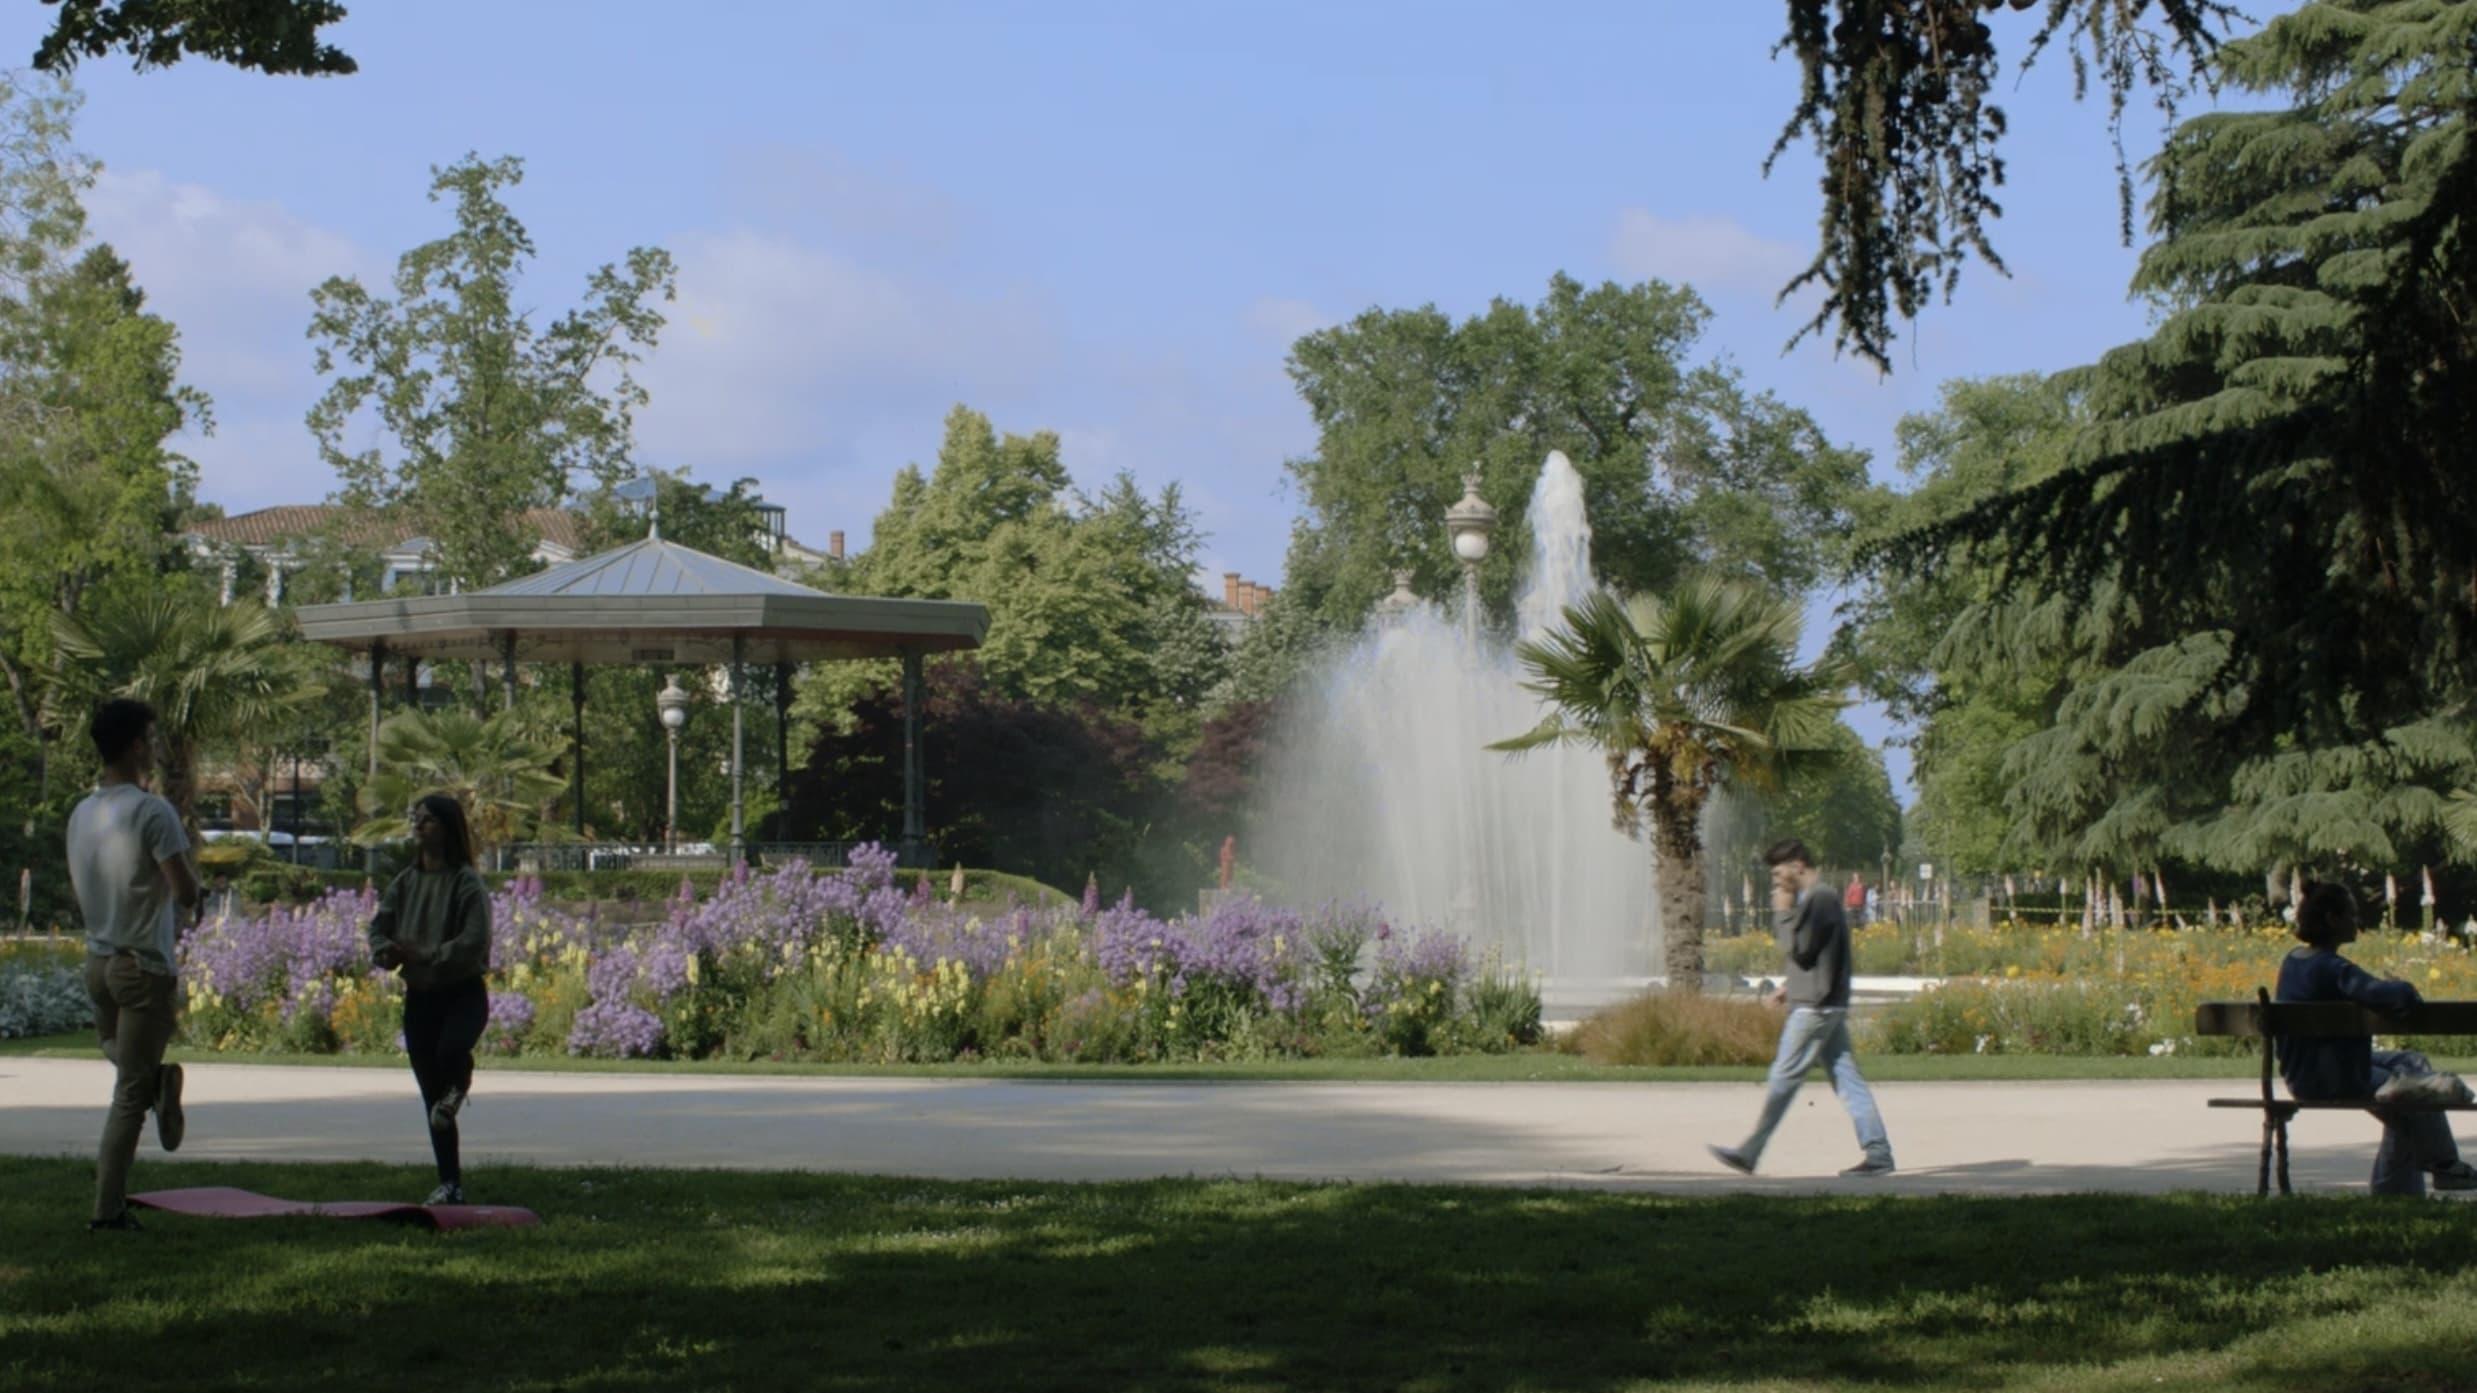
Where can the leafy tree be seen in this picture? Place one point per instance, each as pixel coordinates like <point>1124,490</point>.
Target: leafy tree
<point>504,778</point>
<point>268,36</point>
<point>2260,548</point>
<point>1894,99</point>
<point>1274,652</point>
<point>1840,804</point>
<point>1684,470</point>
<point>210,671</point>
<point>1683,694</point>
<point>89,395</point>
<point>489,414</point>
<point>1089,600</point>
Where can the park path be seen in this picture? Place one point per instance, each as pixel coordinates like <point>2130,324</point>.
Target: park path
<point>1965,1138</point>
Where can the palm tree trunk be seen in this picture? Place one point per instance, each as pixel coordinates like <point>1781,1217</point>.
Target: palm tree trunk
<point>1677,868</point>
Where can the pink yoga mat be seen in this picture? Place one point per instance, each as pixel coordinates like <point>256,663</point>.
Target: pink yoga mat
<point>224,1202</point>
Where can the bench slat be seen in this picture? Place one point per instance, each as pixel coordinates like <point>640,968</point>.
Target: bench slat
<point>2338,1105</point>
<point>2334,1018</point>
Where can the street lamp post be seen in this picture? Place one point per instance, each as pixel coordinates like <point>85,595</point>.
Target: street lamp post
<point>1470,522</point>
<point>1396,607</point>
<point>672,703</point>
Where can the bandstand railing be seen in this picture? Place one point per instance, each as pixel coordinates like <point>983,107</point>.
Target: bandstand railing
<point>653,856</point>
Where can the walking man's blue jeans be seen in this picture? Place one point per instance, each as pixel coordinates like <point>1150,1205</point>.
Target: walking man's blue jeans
<point>1817,1037</point>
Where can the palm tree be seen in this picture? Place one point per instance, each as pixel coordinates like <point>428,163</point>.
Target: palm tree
<point>1682,694</point>
<point>502,775</point>
<point>211,671</point>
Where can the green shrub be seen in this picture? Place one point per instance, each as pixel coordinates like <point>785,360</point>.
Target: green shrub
<point>1501,1011</point>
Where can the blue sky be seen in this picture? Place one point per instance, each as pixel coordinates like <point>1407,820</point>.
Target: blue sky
<point>1104,219</point>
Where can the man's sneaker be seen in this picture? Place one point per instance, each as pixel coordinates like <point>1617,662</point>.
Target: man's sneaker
<point>446,1194</point>
<point>171,1124</point>
<point>2459,1175</point>
<point>443,1112</point>
<point>1733,1158</point>
<point>1872,1165</point>
<point>123,1220</point>
<point>2423,1090</point>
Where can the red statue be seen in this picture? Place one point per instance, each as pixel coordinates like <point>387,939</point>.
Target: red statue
<point>1229,858</point>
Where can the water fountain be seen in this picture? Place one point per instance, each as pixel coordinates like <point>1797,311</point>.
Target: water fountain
<point>1381,786</point>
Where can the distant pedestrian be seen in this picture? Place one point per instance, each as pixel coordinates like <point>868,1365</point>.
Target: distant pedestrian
<point>129,864</point>
<point>433,928</point>
<point>1814,936</point>
<point>1853,900</point>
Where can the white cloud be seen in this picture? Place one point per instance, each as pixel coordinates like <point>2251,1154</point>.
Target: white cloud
<point>1709,253</point>
<point>775,346</point>
<point>235,278</point>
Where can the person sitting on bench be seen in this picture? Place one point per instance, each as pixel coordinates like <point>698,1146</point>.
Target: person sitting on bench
<point>2320,1069</point>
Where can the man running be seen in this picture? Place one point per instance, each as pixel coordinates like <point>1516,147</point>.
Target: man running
<point>129,862</point>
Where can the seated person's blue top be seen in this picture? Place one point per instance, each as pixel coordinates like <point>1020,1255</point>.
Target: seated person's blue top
<point>2337,1066</point>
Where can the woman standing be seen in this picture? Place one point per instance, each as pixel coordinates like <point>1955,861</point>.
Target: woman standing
<point>433,928</point>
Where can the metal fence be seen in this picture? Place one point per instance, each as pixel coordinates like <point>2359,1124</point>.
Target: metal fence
<point>644,856</point>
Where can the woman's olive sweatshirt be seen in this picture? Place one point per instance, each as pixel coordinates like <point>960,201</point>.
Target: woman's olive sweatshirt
<point>440,920</point>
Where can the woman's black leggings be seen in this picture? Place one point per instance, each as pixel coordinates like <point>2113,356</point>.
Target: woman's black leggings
<point>441,1027</point>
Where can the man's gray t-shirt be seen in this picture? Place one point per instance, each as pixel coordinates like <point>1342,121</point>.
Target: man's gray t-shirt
<point>119,837</point>
<point>1814,936</point>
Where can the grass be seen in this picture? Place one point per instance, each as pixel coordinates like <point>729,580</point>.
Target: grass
<point>660,1280</point>
<point>1526,1066</point>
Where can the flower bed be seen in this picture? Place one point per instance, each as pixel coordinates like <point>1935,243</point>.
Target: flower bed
<point>848,966</point>
<point>2017,989</point>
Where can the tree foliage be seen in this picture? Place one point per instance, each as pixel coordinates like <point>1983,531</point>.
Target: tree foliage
<point>1056,791</point>
<point>1840,804</point>
<point>1684,470</point>
<point>211,671</point>
<point>2249,571</point>
<point>89,489</point>
<point>1894,98</point>
<point>268,36</point>
<point>504,777</point>
<point>1089,599</point>
<point>488,413</point>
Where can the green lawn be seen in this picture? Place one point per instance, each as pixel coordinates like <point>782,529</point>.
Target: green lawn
<point>1529,1066</point>
<point>703,1280</point>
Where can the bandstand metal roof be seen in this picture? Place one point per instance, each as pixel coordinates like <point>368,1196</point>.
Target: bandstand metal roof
<point>649,602</point>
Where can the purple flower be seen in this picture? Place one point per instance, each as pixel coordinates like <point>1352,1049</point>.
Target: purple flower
<point>511,1015</point>
<point>615,1030</point>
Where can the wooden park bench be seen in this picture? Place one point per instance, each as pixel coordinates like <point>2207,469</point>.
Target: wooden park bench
<point>2268,1020</point>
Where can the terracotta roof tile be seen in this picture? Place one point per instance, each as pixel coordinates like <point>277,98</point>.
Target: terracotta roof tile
<point>268,526</point>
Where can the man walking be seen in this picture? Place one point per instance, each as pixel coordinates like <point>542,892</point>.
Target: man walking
<point>1814,934</point>
<point>129,862</point>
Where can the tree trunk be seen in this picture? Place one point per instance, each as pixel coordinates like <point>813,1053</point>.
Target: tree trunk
<point>1678,880</point>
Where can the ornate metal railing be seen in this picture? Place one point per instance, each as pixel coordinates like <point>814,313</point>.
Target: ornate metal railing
<point>650,856</point>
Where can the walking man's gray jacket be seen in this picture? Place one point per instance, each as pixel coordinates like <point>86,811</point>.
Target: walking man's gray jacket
<point>1814,937</point>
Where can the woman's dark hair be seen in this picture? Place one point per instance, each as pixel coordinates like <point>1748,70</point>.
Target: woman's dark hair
<point>2326,913</point>
<point>449,814</point>
<point>119,724</point>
